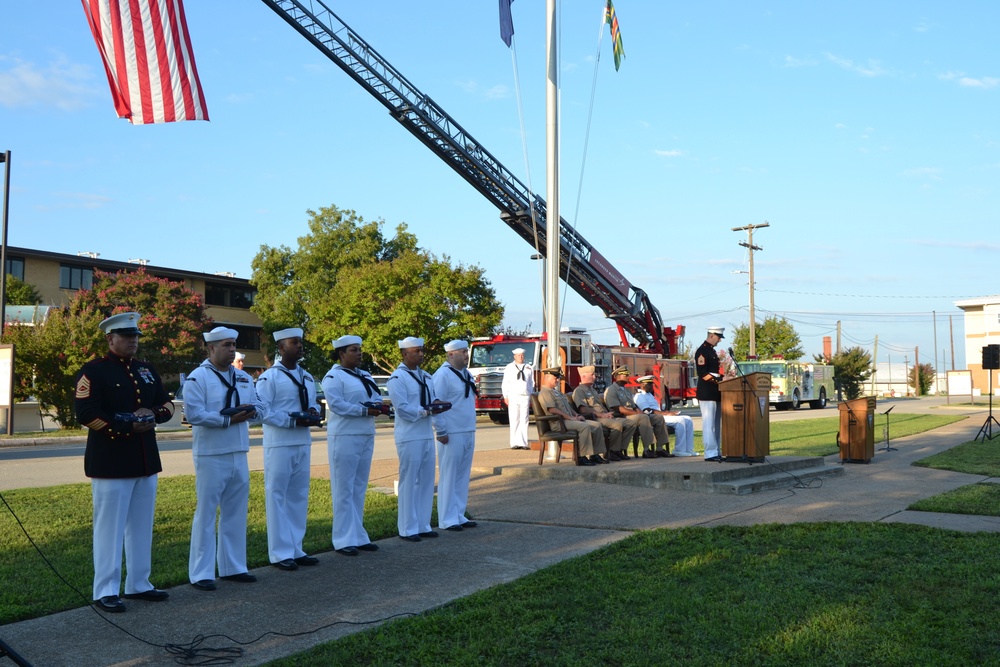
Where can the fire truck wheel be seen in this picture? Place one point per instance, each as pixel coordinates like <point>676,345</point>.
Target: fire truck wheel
<point>821,402</point>
<point>796,400</point>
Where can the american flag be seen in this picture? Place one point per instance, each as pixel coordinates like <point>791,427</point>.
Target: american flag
<point>148,59</point>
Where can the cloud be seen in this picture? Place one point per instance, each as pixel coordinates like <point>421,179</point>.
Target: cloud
<point>668,153</point>
<point>472,87</point>
<point>959,245</point>
<point>497,92</point>
<point>872,69</point>
<point>792,61</point>
<point>60,84</point>
<point>961,79</point>
<point>75,200</point>
<point>924,173</point>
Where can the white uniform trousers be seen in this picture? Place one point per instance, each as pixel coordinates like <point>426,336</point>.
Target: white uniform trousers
<point>454,470</point>
<point>416,486</point>
<point>123,514</point>
<point>517,409</point>
<point>683,433</point>
<point>222,482</point>
<point>286,500</point>
<point>350,465</point>
<point>711,426</point>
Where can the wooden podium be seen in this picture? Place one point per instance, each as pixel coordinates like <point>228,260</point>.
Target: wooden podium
<point>746,418</point>
<point>857,430</point>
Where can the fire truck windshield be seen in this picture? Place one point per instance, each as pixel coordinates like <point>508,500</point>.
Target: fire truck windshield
<point>499,354</point>
<point>776,370</point>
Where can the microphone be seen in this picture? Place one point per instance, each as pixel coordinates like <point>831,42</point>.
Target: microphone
<point>732,355</point>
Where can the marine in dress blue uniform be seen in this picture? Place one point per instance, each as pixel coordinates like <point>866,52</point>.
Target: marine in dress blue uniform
<point>122,460</point>
<point>707,393</point>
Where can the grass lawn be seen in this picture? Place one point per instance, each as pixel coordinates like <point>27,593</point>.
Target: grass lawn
<point>974,458</point>
<point>803,594</point>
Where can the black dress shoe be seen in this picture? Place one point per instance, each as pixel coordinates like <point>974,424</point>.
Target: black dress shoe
<point>599,459</point>
<point>371,546</point>
<point>623,455</point>
<point>204,585</point>
<point>410,538</point>
<point>429,533</point>
<point>649,454</point>
<point>348,551</point>
<point>469,524</point>
<point>614,456</point>
<point>111,604</point>
<point>288,565</point>
<point>242,577</point>
<point>152,595</point>
<point>584,461</point>
<point>714,458</point>
<point>307,560</point>
<point>456,528</point>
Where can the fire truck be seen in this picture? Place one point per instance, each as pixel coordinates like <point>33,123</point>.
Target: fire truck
<point>795,382</point>
<point>581,266</point>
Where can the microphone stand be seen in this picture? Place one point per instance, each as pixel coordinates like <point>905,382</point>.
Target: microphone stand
<point>887,448</point>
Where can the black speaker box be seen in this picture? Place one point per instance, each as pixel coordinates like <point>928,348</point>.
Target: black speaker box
<point>991,357</point>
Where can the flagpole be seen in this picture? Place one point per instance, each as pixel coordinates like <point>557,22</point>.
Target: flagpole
<point>552,216</point>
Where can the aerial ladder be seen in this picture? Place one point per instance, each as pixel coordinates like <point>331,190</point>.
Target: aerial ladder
<point>580,264</point>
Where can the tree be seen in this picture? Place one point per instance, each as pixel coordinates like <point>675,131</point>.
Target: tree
<point>851,368</point>
<point>774,336</point>
<point>49,354</point>
<point>925,379</point>
<point>20,293</point>
<point>346,276</point>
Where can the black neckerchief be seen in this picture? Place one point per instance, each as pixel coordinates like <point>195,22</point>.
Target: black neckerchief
<point>303,392</point>
<point>425,392</point>
<point>520,372</point>
<point>231,393</point>
<point>466,380</point>
<point>367,383</point>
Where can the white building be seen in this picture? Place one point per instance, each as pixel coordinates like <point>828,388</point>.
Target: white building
<point>982,328</point>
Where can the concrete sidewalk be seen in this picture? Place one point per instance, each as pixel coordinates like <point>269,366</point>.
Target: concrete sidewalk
<point>524,525</point>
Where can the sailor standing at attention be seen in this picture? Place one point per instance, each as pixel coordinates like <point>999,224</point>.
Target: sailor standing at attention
<point>350,442</point>
<point>288,393</point>
<point>518,385</point>
<point>412,393</point>
<point>457,438</point>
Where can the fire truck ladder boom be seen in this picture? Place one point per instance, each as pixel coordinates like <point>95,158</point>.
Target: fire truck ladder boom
<point>418,113</point>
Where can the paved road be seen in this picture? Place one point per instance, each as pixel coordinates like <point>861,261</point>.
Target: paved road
<point>62,463</point>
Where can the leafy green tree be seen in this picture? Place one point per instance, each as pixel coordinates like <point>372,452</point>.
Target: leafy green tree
<point>20,293</point>
<point>923,380</point>
<point>346,276</point>
<point>774,336</point>
<point>852,368</point>
<point>49,354</point>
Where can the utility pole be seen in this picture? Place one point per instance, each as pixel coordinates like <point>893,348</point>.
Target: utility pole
<point>748,244</point>
<point>951,336</point>
<point>875,365</point>
<point>838,336</point>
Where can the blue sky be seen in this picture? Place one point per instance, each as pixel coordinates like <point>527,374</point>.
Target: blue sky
<point>866,134</point>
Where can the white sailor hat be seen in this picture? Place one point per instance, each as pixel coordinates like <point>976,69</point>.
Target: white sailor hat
<point>294,332</point>
<point>718,331</point>
<point>453,345</point>
<point>126,324</point>
<point>644,379</point>
<point>220,333</point>
<point>240,356</point>
<point>517,350</point>
<point>411,341</point>
<point>346,341</point>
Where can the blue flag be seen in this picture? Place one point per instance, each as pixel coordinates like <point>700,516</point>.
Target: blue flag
<point>506,22</point>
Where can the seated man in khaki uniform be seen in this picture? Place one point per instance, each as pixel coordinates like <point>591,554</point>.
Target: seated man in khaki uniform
<point>652,427</point>
<point>554,402</point>
<point>591,405</point>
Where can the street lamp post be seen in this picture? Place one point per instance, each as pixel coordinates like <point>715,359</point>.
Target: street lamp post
<point>5,158</point>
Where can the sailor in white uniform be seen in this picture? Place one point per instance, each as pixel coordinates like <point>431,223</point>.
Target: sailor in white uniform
<point>350,442</point>
<point>219,401</point>
<point>457,438</point>
<point>412,393</point>
<point>518,385</point>
<point>288,393</point>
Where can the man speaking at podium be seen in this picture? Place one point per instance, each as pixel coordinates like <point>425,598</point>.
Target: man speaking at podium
<point>707,364</point>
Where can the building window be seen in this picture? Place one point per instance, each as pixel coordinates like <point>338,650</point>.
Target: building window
<point>15,267</point>
<point>248,338</point>
<point>232,297</point>
<point>75,277</point>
